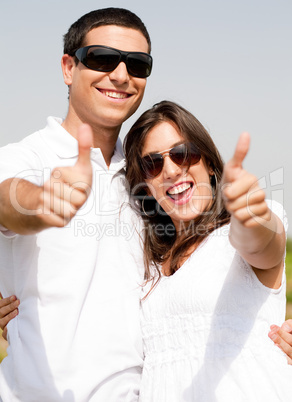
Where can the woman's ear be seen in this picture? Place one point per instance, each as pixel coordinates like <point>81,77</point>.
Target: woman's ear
<point>210,169</point>
<point>148,192</point>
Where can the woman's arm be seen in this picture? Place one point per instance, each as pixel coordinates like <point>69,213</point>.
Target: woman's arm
<point>255,231</point>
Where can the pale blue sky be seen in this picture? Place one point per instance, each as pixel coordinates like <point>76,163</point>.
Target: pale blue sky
<point>229,62</point>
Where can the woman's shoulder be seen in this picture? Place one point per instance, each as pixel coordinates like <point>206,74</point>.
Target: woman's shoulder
<point>217,237</point>
<point>214,248</point>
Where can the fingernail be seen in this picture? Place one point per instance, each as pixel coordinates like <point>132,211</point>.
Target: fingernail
<point>286,327</point>
<point>272,335</point>
<point>12,298</point>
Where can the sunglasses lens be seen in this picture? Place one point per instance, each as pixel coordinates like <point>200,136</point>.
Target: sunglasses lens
<point>139,65</point>
<point>179,155</point>
<point>102,59</point>
<point>195,156</point>
<point>152,165</point>
<point>184,155</point>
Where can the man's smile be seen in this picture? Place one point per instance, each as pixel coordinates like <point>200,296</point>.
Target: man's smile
<point>114,94</point>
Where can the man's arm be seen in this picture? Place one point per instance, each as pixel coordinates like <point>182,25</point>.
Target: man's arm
<point>282,337</point>
<point>20,201</point>
<point>8,311</point>
<point>27,208</point>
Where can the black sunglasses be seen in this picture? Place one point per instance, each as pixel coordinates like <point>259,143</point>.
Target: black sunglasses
<point>104,58</point>
<point>184,155</point>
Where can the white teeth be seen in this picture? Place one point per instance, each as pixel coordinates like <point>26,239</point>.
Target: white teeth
<point>116,95</point>
<point>179,189</point>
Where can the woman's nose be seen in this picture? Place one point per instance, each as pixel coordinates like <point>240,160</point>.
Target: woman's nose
<point>171,169</point>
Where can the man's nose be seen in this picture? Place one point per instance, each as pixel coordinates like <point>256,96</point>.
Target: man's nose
<point>120,73</point>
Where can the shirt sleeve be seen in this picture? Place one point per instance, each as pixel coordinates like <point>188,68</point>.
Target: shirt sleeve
<point>19,160</point>
<point>279,210</point>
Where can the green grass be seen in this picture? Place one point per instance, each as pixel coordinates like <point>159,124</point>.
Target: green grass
<point>2,347</point>
<point>2,354</point>
<point>289,278</point>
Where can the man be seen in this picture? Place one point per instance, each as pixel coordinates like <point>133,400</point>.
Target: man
<point>65,228</point>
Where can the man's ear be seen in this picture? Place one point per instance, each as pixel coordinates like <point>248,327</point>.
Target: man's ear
<point>67,64</point>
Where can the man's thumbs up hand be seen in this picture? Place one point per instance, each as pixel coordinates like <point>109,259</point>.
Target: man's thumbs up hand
<point>68,187</point>
<point>85,140</point>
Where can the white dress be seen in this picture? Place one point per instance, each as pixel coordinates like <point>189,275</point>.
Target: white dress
<point>205,332</point>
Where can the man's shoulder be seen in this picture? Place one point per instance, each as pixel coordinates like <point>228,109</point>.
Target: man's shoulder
<point>28,142</point>
<point>36,138</point>
<point>29,156</point>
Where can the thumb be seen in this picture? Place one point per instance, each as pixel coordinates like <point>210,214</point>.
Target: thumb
<point>85,141</point>
<point>241,150</point>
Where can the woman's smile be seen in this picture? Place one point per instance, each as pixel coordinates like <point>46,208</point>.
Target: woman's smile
<point>181,193</point>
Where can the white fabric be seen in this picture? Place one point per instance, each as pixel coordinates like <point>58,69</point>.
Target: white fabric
<point>205,331</point>
<point>77,336</point>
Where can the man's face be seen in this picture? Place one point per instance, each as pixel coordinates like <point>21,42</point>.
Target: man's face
<point>107,99</point>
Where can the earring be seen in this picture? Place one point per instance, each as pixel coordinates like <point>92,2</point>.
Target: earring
<point>213,182</point>
<point>143,208</point>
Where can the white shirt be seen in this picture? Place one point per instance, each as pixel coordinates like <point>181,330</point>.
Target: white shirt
<point>206,328</point>
<point>77,336</point>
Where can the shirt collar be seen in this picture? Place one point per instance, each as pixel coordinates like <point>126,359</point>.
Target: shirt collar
<point>66,146</point>
<point>57,138</point>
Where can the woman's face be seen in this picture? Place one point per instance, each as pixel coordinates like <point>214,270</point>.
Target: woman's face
<point>182,193</point>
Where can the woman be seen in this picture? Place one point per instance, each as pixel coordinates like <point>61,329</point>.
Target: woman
<point>215,270</point>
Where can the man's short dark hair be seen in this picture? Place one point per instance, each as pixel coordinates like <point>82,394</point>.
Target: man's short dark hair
<point>74,38</point>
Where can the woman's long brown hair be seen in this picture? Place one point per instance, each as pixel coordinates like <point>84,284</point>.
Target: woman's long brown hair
<point>161,242</point>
